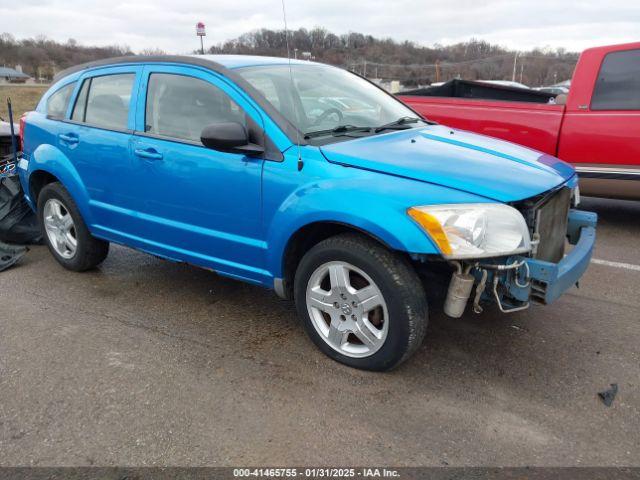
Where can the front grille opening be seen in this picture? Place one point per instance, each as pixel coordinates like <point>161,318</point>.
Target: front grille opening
<point>547,217</point>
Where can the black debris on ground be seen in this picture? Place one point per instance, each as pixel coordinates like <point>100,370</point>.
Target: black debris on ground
<point>10,254</point>
<point>18,223</point>
<point>607,396</point>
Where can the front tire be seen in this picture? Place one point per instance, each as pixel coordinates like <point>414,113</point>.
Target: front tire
<point>65,232</point>
<point>361,304</point>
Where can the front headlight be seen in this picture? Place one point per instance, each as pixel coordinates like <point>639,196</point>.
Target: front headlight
<point>474,230</point>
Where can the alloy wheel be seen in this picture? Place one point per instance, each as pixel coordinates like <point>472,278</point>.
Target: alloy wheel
<point>60,228</point>
<point>347,309</point>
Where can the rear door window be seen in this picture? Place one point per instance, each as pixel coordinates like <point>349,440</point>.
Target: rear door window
<point>104,101</point>
<point>181,107</point>
<point>59,101</point>
<point>618,83</point>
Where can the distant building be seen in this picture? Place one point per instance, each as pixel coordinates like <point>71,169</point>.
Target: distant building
<point>9,75</point>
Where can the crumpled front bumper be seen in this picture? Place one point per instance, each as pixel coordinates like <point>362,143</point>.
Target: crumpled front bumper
<point>544,282</point>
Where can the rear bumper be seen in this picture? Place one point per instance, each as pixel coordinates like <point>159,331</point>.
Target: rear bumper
<point>548,281</point>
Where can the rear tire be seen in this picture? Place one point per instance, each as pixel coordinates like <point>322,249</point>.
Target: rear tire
<point>65,232</point>
<point>375,317</point>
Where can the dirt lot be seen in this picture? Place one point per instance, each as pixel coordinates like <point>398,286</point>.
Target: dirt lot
<point>23,98</point>
<point>146,362</point>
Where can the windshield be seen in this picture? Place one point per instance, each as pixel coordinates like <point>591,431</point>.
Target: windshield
<point>326,101</point>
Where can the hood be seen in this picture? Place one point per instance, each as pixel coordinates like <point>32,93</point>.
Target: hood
<point>481,165</point>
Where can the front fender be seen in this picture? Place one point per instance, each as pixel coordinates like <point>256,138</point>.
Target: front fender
<point>350,203</point>
<point>50,159</point>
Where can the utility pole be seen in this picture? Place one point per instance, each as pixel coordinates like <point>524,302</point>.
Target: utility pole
<point>437,71</point>
<point>521,70</point>
<point>515,60</point>
<point>364,72</point>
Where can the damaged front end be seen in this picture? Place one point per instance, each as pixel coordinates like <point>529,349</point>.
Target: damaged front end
<point>541,281</point>
<point>541,275</point>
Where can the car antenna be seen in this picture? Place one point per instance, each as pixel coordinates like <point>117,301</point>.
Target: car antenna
<point>286,40</point>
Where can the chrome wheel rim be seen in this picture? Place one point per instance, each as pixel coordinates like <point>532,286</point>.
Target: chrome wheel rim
<point>60,228</point>
<point>347,309</point>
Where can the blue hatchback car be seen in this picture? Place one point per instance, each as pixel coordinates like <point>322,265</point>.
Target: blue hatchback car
<point>303,178</point>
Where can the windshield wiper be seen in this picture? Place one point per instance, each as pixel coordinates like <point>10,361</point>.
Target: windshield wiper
<point>339,130</point>
<point>399,124</point>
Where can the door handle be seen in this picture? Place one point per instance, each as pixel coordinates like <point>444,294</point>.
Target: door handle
<point>149,153</point>
<point>69,138</point>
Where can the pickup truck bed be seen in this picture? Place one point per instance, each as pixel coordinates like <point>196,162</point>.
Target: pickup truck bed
<point>596,127</point>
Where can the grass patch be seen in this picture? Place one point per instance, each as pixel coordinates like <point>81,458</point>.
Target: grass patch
<point>23,99</point>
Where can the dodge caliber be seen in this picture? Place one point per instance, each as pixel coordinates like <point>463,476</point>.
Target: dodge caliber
<point>306,179</point>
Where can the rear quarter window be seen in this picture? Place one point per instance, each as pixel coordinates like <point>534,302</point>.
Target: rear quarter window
<point>59,101</point>
<point>618,83</point>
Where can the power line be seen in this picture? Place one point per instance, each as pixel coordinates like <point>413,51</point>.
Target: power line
<point>448,64</point>
<point>427,65</point>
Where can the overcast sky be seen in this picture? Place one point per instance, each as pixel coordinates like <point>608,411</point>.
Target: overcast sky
<point>170,24</point>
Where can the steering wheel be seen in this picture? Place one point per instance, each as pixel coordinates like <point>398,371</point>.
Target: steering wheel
<point>329,111</point>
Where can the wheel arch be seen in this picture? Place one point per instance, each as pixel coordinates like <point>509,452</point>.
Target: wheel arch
<point>37,181</point>
<point>48,164</point>
<point>305,238</point>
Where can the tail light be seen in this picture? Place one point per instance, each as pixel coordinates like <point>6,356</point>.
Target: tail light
<point>23,123</point>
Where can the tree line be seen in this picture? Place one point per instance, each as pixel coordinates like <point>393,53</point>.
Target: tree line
<point>373,57</point>
<point>407,61</point>
<point>41,57</point>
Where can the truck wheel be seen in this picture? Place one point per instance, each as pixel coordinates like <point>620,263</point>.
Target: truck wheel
<point>362,304</point>
<point>65,232</point>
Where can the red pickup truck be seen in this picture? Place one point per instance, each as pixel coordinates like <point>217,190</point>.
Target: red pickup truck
<point>596,127</point>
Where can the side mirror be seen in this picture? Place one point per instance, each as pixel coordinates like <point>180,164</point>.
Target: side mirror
<point>230,137</point>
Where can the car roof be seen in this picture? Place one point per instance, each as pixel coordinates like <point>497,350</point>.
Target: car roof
<point>240,61</point>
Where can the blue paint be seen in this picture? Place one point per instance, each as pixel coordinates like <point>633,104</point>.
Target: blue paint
<point>492,168</point>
